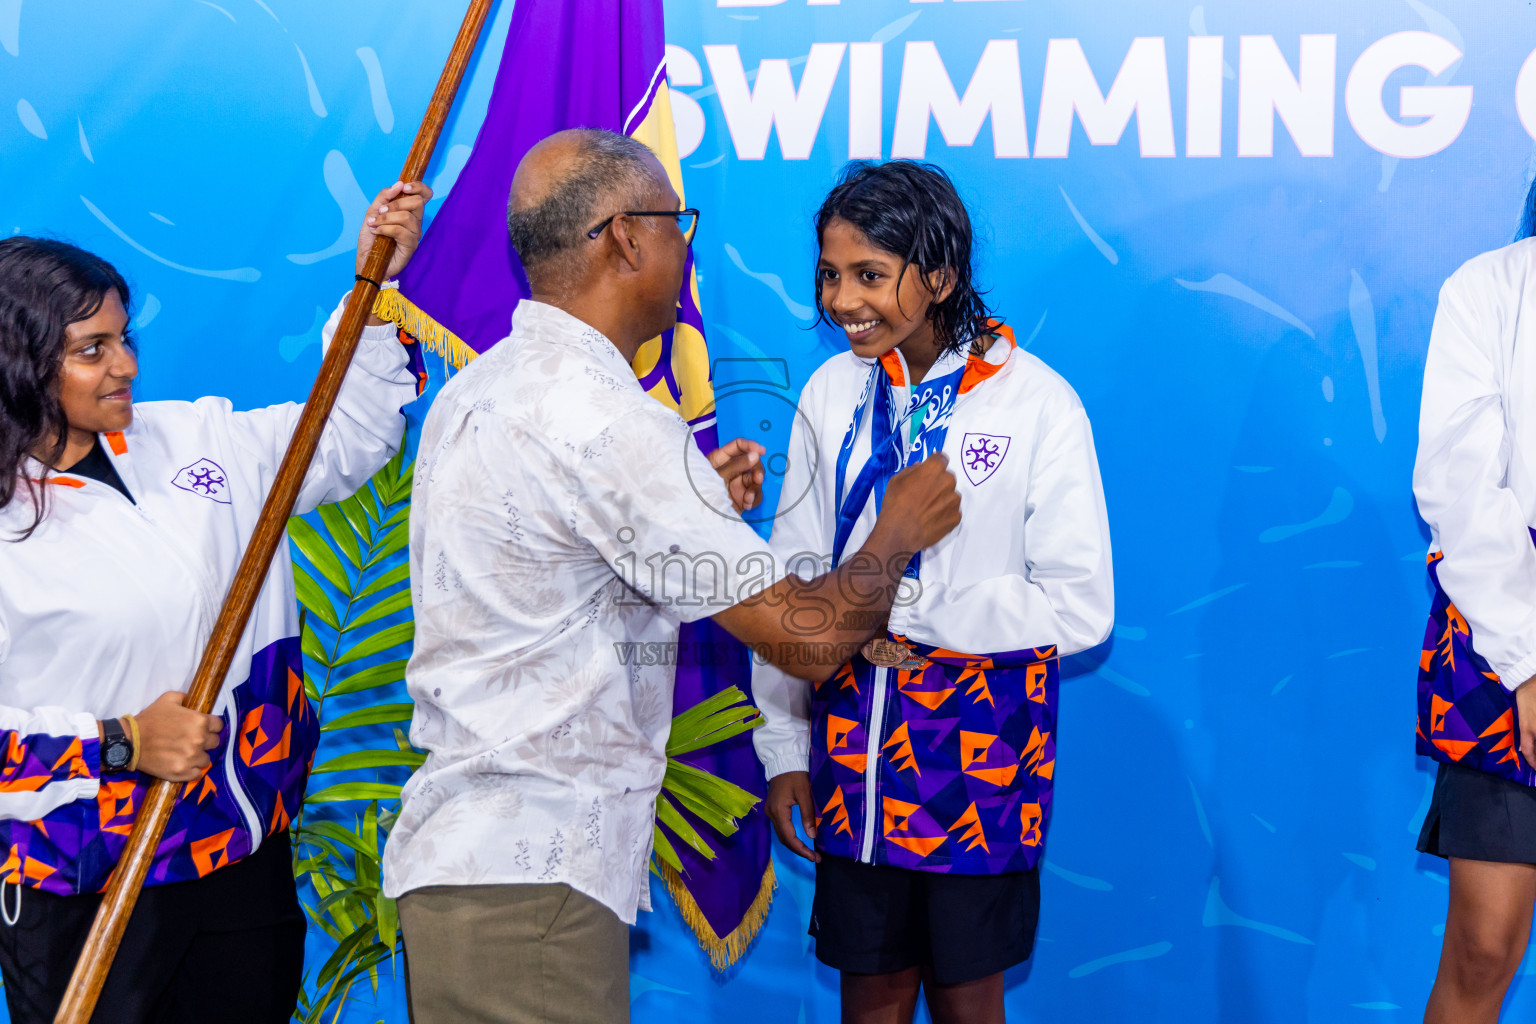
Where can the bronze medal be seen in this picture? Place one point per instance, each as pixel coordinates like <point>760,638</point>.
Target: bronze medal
<point>886,653</point>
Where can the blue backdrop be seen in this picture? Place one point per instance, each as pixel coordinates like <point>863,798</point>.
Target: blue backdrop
<point>1238,795</point>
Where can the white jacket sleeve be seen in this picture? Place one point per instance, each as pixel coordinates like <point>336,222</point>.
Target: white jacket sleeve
<point>52,756</point>
<point>364,428</point>
<point>1066,597</point>
<point>1460,480</point>
<point>800,544</point>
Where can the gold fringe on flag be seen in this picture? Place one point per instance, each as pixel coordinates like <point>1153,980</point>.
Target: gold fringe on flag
<point>433,336</point>
<point>723,952</point>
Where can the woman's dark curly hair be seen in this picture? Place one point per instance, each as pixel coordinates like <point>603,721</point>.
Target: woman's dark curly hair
<point>45,286</point>
<point>912,210</point>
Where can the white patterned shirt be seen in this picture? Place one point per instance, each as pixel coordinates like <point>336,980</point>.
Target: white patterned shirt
<point>555,511</point>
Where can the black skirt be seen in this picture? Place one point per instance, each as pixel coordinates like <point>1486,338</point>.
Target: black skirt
<point>878,919</point>
<point>1477,816</point>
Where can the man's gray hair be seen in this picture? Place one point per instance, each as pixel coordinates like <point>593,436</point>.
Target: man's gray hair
<point>611,173</point>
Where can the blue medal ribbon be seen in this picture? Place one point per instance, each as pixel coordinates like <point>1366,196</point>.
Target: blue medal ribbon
<point>889,452</point>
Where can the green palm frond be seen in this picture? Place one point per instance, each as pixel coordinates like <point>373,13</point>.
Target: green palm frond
<point>718,803</point>
<point>353,582</point>
<point>714,800</point>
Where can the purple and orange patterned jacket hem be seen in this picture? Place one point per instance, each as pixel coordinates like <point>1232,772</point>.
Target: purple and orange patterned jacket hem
<point>1466,716</point>
<point>74,848</point>
<point>966,753</point>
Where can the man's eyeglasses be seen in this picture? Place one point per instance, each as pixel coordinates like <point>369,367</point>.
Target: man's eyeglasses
<point>687,221</point>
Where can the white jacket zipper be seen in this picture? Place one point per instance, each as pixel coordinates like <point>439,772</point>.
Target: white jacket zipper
<point>231,773</point>
<point>882,677</point>
<point>872,764</point>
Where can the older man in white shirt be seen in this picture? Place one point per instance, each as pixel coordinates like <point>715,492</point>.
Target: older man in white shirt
<point>556,509</point>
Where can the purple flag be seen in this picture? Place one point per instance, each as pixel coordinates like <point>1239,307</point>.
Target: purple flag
<point>580,64</point>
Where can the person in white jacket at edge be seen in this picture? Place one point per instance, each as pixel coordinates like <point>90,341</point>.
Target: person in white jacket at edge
<point>1475,483</point>
<point>923,767</point>
<point>120,530</point>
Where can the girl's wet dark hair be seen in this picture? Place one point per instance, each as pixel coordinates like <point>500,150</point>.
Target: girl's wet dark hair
<point>45,286</point>
<point>912,211</point>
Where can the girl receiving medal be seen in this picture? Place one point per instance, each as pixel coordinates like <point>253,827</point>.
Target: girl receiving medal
<point>922,768</point>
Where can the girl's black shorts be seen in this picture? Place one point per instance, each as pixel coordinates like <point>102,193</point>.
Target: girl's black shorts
<point>1477,816</point>
<point>876,919</point>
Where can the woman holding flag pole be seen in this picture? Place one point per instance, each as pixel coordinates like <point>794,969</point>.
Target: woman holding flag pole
<point>121,527</point>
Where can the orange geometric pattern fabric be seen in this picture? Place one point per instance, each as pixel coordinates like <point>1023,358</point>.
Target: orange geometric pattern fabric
<point>963,763</point>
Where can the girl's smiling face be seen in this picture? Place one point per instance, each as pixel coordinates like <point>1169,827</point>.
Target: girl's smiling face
<point>878,306</point>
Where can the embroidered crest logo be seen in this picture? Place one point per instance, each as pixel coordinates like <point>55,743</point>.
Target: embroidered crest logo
<point>206,479</point>
<point>982,454</point>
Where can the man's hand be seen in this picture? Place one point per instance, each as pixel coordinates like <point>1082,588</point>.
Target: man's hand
<point>174,741</point>
<point>787,791</point>
<point>921,501</point>
<point>395,213</point>
<point>1525,708</point>
<point>810,628</point>
<point>740,465</point>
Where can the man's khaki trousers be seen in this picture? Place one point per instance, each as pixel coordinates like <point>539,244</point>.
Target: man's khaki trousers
<point>513,954</point>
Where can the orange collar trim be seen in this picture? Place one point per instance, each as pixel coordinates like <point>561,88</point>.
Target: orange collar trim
<point>977,369</point>
<point>62,481</point>
<point>117,442</point>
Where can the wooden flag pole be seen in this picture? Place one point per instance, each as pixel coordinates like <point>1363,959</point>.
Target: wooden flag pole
<point>271,529</point>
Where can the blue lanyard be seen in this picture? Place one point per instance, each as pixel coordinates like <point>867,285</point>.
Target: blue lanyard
<point>889,452</point>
